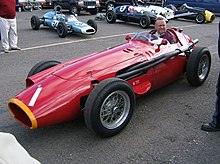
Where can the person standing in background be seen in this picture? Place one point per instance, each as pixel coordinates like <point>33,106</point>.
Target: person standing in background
<point>8,25</point>
<point>214,125</point>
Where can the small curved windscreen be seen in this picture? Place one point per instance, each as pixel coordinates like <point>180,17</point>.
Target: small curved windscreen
<point>72,18</point>
<point>147,37</point>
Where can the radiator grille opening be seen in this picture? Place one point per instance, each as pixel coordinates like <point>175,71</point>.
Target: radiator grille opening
<point>20,115</point>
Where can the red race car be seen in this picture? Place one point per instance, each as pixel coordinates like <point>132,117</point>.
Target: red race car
<point>102,86</point>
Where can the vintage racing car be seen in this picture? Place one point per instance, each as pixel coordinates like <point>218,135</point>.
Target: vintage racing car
<point>200,15</point>
<point>130,13</point>
<point>63,24</point>
<point>103,86</point>
<point>165,12</point>
<point>159,11</point>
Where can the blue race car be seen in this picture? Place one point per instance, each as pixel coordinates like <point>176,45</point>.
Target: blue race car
<point>63,24</point>
<point>133,14</point>
<point>200,15</point>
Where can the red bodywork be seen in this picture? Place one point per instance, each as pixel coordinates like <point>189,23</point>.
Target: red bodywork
<point>58,93</point>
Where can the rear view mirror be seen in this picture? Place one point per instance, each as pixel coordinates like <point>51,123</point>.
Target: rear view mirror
<point>164,42</point>
<point>128,38</point>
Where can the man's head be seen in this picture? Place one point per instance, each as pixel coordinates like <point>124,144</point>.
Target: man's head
<point>160,25</point>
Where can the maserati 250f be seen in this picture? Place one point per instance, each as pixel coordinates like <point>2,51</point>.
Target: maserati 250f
<point>63,24</point>
<point>102,86</point>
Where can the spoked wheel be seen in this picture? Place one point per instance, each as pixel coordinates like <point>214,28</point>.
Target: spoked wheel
<point>110,16</point>
<point>200,18</point>
<point>145,22</point>
<point>62,29</point>
<point>35,22</point>
<point>41,66</point>
<point>109,107</point>
<point>198,66</point>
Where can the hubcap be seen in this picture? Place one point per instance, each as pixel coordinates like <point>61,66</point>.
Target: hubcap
<point>115,109</point>
<point>200,18</point>
<point>203,67</point>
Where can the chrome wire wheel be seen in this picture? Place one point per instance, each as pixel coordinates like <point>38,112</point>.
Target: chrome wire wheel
<point>115,109</point>
<point>109,107</point>
<point>198,66</point>
<point>204,66</point>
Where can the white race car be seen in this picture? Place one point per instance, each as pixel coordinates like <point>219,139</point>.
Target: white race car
<point>158,10</point>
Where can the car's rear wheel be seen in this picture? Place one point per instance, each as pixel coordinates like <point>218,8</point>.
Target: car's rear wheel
<point>198,66</point>
<point>41,66</point>
<point>93,24</point>
<point>200,18</point>
<point>109,107</point>
<point>111,16</point>
<point>74,10</point>
<point>110,6</point>
<point>62,29</point>
<point>145,21</point>
<point>35,22</point>
<point>54,4</point>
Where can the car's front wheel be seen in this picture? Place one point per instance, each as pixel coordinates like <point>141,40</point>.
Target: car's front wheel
<point>198,66</point>
<point>35,22</point>
<point>109,107</point>
<point>62,29</point>
<point>41,66</point>
<point>200,18</point>
<point>111,16</point>
<point>93,24</point>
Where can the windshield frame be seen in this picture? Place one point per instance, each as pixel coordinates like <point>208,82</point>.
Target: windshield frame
<point>147,37</point>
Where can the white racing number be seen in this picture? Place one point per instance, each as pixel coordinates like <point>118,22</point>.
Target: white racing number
<point>122,8</point>
<point>153,11</point>
<point>55,23</point>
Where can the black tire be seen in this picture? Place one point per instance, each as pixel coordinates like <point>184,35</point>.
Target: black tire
<point>41,66</point>
<point>145,22</point>
<point>200,18</point>
<point>35,22</point>
<point>62,29</point>
<point>110,6</point>
<point>198,66</point>
<point>111,16</point>
<point>93,24</point>
<point>74,10</point>
<point>115,94</point>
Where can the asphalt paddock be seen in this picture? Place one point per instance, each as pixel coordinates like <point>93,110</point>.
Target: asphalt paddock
<point>165,127</point>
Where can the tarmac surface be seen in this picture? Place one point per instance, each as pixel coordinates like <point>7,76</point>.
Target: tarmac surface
<point>165,127</point>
